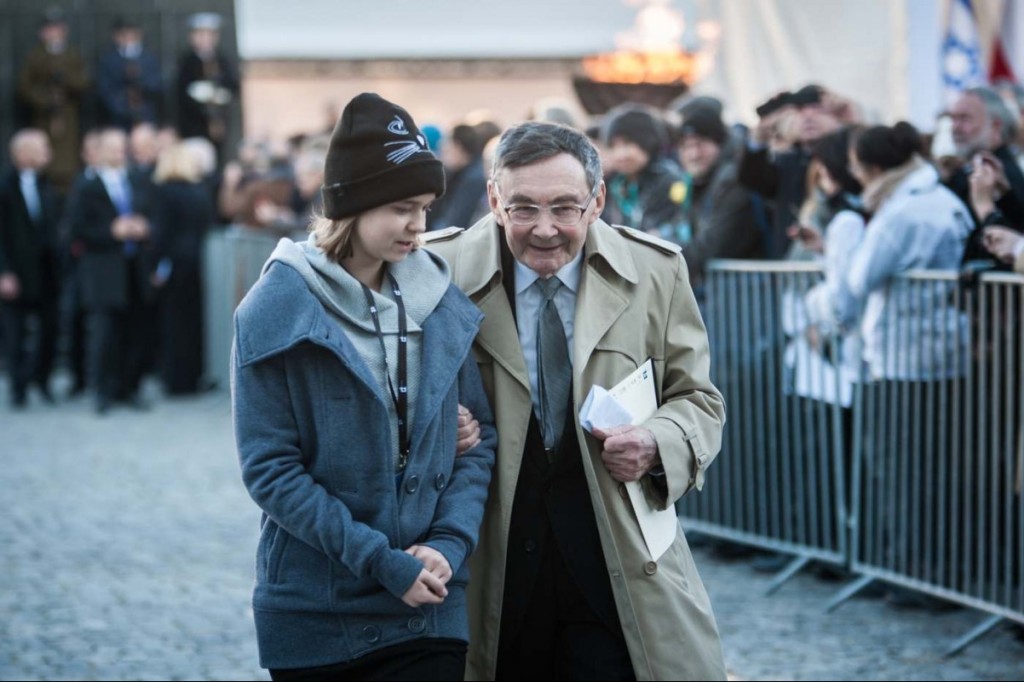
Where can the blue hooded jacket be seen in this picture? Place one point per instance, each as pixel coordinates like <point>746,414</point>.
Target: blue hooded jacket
<point>314,442</point>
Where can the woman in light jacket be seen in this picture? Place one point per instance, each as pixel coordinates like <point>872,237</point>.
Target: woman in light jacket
<point>916,224</point>
<point>351,356</point>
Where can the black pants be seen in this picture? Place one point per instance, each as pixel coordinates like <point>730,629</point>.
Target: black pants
<point>420,659</point>
<point>116,353</point>
<point>30,361</point>
<point>561,637</point>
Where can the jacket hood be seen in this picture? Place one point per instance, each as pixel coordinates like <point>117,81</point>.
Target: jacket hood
<point>422,277</point>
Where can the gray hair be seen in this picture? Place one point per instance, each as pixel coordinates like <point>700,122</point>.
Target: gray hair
<point>535,141</point>
<point>995,107</point>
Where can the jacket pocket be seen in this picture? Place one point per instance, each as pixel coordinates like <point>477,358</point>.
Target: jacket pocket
<point>275,554</point>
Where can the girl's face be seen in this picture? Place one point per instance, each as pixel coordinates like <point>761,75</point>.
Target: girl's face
<point>389,233</point>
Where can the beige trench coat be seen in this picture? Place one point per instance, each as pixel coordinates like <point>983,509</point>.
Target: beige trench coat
<point>634,302</point>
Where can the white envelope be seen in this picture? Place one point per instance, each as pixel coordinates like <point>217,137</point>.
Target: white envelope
<point>633,401</point>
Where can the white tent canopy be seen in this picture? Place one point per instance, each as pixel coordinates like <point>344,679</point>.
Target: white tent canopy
<point>885,55</point>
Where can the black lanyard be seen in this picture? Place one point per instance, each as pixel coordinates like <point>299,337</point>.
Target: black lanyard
<point>401,397</point>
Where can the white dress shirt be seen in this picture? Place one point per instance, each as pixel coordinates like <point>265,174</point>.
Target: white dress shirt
<point>30,192</point>
<point>528,304</point>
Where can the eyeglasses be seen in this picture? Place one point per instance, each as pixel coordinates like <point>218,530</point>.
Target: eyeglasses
<point>566,215</point>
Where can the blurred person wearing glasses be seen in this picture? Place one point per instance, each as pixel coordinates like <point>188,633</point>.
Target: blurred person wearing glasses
<point>564,586</point>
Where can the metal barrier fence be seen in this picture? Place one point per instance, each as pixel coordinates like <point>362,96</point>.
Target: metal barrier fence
<point>939,457</point>
<point>929,436</point>
<point>780,482</point>
<point>232,260</point>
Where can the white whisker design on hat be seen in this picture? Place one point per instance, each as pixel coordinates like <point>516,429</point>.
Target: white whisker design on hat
<point>405,150</point>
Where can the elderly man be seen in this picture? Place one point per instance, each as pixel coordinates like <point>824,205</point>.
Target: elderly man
<point>29,286</point>
<point>983,131</point>
<point>563,585</point>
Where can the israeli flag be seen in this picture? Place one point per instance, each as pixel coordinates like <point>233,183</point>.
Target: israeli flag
<point>961,51</point>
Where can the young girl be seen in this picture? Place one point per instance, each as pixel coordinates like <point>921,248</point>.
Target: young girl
<point>351,356</point>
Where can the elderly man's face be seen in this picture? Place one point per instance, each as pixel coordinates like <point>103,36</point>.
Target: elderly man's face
<point>972,127</point>
<point>545,246</point>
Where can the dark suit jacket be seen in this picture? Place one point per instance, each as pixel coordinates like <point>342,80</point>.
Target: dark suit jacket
<point>552,512</point>
<point>194,117</point>
<point>130,90</point>
<point>106,272</point>
<point>28,248</point>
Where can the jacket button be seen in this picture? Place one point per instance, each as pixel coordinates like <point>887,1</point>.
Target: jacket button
<point>439,482</point>
<point>650,568</point>
<point>530,546</point>
<point>412,485</point>
<point>417,624</point>
<point>371,633</point>
<point>623,493</point>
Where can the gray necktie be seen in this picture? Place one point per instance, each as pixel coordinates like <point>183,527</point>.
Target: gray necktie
<point>554,371</point>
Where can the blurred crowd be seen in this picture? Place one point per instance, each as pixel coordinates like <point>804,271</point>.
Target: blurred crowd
<point>102,231</point>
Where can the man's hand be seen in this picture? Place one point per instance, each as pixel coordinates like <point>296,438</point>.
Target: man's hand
<point>987,183</point>
<point>10,287</point>
<point>469,432</point>
<point>808,236</point>
<point>629,452</point>
<point>427,589</point>
<point>140,228</point>
<point>123,228</point>
<point>433,561</point>
<point>1002,242</point>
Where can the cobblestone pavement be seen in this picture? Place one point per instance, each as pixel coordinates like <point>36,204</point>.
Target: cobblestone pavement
<point>126,552</point>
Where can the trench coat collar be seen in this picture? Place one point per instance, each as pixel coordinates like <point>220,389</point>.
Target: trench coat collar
<point>600,300</point>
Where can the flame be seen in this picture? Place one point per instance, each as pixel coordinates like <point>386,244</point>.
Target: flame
<point>651,50</point>
<point>642,67</point>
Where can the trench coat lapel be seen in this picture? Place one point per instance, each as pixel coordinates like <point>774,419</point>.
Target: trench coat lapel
<point>601,300</point>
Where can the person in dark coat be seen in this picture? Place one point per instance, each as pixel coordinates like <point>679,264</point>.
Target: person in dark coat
<point>983,130</point>
<point>721,212</point>
<point>51,84</point>
<point>71,251</point>
<point>114,273</point>
<point>128,80</point>
<point>462,155</point>
<point>29,284</point>
<point>182,211</point>
<point>646,190</point>
<point>781,178</point>
<point>207,83</point>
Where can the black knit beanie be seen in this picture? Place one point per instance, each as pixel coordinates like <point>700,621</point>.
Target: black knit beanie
<point>638,126</point>
<point>704,123</point>
<point>376,156</point>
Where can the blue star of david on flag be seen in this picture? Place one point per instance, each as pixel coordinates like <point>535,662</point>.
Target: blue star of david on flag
<point>961,51</point>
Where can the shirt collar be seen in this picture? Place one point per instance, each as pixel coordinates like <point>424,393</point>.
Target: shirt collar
<point>569,274</point>
<point>27,175</point>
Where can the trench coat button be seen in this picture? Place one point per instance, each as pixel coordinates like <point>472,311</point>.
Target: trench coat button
<point>650,568</point>
<point>417,624</point>
<point>623,493</point>
<point>530,546</point>
<point>371,633</point>
<point>439,481</point>
<point>412,484</point>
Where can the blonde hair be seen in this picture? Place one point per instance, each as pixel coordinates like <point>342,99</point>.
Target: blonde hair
<point>334,237</point>
<point>177,162</point>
